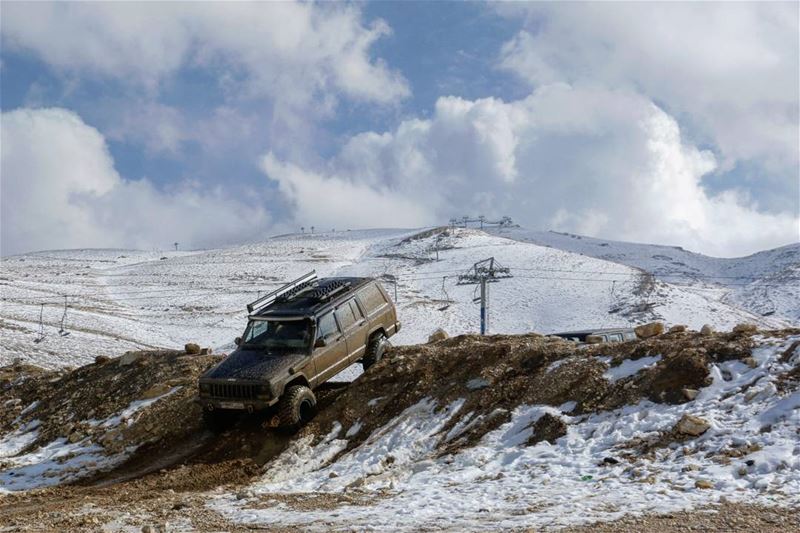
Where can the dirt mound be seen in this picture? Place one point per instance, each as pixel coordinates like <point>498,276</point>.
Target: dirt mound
<point>495,374</point>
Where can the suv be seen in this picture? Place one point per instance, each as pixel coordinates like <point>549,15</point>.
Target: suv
<point>593,336</point>
<point>297,338</point>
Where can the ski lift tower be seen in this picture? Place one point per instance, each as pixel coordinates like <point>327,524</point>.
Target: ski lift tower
<point>482,273</point>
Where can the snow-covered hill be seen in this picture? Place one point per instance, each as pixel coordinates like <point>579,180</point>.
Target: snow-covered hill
<point>766,283</point>
<point>119,300</point>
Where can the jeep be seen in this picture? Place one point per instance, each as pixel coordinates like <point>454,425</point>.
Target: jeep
<point>297,338</point>
<point>594,336</point>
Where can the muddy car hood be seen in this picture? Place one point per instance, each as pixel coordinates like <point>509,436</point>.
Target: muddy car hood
<point>254,364</point>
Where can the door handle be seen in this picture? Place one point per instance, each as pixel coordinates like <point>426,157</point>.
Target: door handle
<point>362,322</point>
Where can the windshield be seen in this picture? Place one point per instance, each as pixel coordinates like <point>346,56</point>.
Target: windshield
<point>277,334</point>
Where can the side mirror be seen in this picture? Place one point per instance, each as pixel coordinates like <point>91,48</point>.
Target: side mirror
<point>238,341</point>
<point>320,343</point>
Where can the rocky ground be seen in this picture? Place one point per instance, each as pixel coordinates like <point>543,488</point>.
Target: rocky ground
<point>136,457</point>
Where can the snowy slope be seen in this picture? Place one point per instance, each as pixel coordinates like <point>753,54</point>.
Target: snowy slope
<point>120,299</point>
<point>750,453</point>
<point>766,283</point>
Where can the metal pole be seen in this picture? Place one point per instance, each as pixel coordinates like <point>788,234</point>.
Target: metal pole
<point>484,314</point>
<point>395,291</point>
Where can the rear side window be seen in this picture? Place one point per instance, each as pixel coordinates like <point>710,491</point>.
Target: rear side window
<point>345,316</point>
<point>371,297</point>
<point>356,310</point>
<point>326,326</point>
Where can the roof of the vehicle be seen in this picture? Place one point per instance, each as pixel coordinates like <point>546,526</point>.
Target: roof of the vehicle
<point>313,300</point>
<point>591,332</point>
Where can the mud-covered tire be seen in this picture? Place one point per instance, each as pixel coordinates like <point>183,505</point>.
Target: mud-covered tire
<point>218,421</point>
<point>297,406</point>
<point>375,348</point>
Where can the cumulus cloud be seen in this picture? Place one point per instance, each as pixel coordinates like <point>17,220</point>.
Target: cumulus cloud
<point>60,189</point>
<point>302,56</point>
<point>602,162</point>
<point>728,70</point>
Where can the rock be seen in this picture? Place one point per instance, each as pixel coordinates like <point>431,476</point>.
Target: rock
<point>129,358</point>
<point>333,475</point>
<point>691,425</point>
<point>192,348</point>
<point>745,329</point>
<point>548,427</point>
<point>706,330</point>
<point>703,484</point>
<point>645,331</point>
<point>750,361</point>
<point>610,461</point>
<point>438,335</point>
<point>155,391</point>
<point>678,328</point>
<point>593,339</point>
<point>148,529</point>
<point>75,437</point>
<point>101,359</point>
<point>206,351</point>
<point>689,394</point>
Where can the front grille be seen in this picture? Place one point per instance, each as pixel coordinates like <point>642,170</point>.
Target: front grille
<point>236,391</point>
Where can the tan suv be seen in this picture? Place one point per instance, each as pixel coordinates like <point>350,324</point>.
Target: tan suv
<point>297,338</point>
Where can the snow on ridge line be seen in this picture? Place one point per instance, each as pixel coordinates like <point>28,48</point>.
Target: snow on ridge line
<point>569,482</point>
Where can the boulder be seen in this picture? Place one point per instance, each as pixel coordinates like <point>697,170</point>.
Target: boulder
<point>750,361</point>
<point>691,425</point>
<point>101,359</point>
<point>706,330</point>
<point>155,391</point>
<point>645,331</point>
<point>593,339</point>
<point>192,348</point>
<point>678,328</point>
<point>745,329</point>
<point>703,484</point>
<point>548,427</point>
<point>689,394</point>
<point>129,358</point>
<point>438,335</point>
<point>206,351</point>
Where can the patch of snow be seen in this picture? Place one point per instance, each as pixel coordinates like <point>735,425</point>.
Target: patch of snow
<point>630,367</point>
<point>477,383</point>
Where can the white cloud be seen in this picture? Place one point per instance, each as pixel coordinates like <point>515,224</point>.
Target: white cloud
<point>601,162</point>
<point>338,203</point>
<point>728,70</point>
<point>59,189</point>
<point>300,55</point>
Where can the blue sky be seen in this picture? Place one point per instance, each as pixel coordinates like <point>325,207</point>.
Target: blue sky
<point>667,123</point>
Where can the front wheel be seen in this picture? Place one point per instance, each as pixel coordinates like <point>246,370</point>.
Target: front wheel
<point>297,406</point>
<point>375,348</point>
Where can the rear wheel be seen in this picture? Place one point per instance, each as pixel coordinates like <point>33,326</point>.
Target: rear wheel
<point>297,406</point>
<point>375,348</point>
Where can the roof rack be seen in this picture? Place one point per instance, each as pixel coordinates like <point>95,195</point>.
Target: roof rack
<point>292,287</point>
<point>329,290</point>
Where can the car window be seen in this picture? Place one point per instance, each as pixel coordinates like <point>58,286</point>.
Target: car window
<point>326,326</point>
<point>278,334</point>
<point>615,337</point>
<point>345,316</point>
<point>356,310</point>
<point>372,297</point>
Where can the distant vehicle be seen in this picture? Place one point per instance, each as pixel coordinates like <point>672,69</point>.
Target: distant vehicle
<point>297,338</point>
<point>599,335</point>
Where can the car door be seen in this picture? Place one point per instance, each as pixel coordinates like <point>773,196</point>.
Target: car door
<point>357,336</point>
<point>327,357</point>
